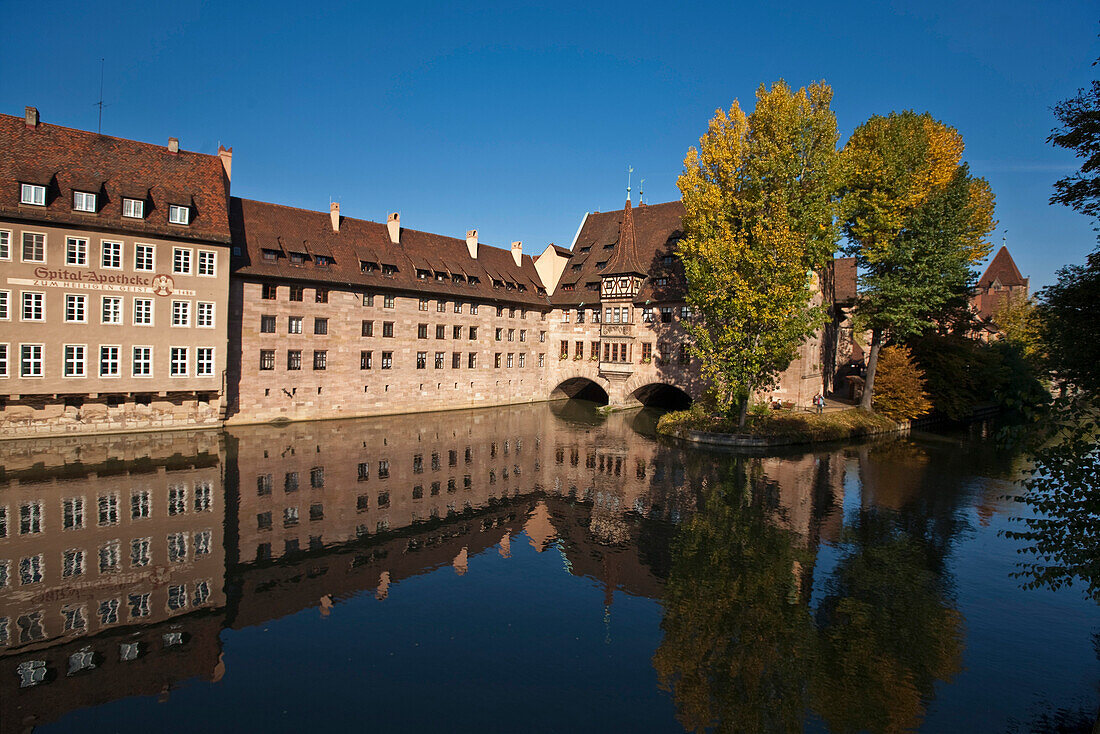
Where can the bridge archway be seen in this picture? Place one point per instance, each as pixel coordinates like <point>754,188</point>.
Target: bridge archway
<point>662,395</point>
<point>581,388</point>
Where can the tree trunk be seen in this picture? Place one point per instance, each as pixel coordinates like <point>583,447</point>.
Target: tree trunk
<point>742,413</point>
<point>872,365</point>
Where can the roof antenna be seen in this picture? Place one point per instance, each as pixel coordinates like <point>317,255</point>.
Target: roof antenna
<point>629,171</point>
<point>99,104</point>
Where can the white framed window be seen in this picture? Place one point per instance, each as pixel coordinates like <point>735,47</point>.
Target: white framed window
<point>204,361</point>
<point>108,509</point>
<point>177,364</point>
<point>5,305</point>
<point>108,611</point>
<point>109,361</point>
<point>179,214</point>
<point>111,312</point>
<point>72,562</point>
<point>76,309</point>
<point>204,315</point>
<point>30,518</point>
<point>74,365</point>
<point>133,208</point>
<point>83,201</point>
<point>34,306</point>
<point>145,257</point>
<point>142,362</point>
<point>110,255</point>
<point>34,247</point>
<point>4,361</point>
<point>110,557</point>
<point>143,312</point>
<point>141,551</point>
<point>76,251</point>
<point>208,260</point>
<point>177,499</point>
<point>30,569</point>
<point>181,313</point>
<point>32,194</point>
<point>177,547</point>
<point>5,244</point>
<point>30,360</point>
<point>181,260</point>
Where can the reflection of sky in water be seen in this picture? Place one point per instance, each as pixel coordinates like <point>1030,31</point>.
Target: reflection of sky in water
<point>543,612</point>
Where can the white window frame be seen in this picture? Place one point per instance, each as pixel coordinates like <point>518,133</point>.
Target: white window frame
<point>84,201</point>
<point>128,203</point>
<point>116,314</point>
<point>134,361</point>
<point>199,362</point>
<point>204,321</point>
<point>76,252</point>
<point>179,214</point>
<point>173,361</point>
<point>141,247</point>
<point>5,305</point>
<point>5,244</point>
<point>82,350</point>
<point>117,361</point>
<point>74,299</point>
<point>33,194</point>
<point>23,305</point>
<point>104,247</point>
<point>40,360</point>
<point>212,256</point>
<point>5,359</point>
<point>182,256</point>
<point>181,314</point>
<point>23,249</point>
<point>137,311</point>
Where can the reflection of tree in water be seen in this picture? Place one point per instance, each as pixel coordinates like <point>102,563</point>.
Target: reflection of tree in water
<point>886,630</point>
<point>736,638</point>
<point>741,651</point>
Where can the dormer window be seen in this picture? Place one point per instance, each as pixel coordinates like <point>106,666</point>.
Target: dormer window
<point>474,280</point>
<point>365,266</point>
<point>179,214</point>
<point>456,278</point>
<point>297,258</point>
<point>440,276</point>
<point>667,260</point>
<point>133,208</point>
<point>601,265</point>
<point>423,274</point>
<point>568,287</point>
<point>32,194</point>
<point>586,249</point>
<point>608,247</point>
<point>389,270</point>
<point>498,283</point>
<point>322,261</point>
<point>541,291</point>
<point>577,267</point>
<point>660,281</point>
<point>271,255</point>
<point>83,201</point>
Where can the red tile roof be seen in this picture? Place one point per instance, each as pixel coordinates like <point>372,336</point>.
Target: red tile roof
<point>1002,268</point>
<point>624,258</point>
<point>66,160</point>
<point>656,231</point>
<point>259,226</point>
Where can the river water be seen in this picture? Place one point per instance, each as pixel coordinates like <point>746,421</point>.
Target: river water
<point>538,568</point>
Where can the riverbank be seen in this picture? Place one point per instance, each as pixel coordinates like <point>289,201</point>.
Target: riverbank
<point>778,428</point>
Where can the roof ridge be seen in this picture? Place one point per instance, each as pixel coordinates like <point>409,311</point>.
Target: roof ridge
<point>89,133</point>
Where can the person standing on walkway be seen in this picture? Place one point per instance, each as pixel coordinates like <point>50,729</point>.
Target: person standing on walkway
<point>819,402</point>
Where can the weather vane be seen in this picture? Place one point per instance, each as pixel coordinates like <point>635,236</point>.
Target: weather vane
<point>641,191</point>
<point>629,171</point>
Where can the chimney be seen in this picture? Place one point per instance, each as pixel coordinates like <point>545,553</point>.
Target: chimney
<point>393,224</point>
<point>517,252</point>
<point>173,145</point>
<point>471,242</point>
<point>30,116</point>
<point>226,154</point>
<point>334,215</point>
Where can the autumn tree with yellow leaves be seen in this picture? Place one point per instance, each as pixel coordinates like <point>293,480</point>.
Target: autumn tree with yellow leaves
<point>759,210</point>
<point>916,221</point>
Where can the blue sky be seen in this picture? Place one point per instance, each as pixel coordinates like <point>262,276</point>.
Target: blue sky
<point>517,120</point>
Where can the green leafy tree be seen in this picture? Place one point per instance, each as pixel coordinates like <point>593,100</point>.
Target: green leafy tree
<point>1080,132</point>
<point>758,199</point>
<point>917,223</point>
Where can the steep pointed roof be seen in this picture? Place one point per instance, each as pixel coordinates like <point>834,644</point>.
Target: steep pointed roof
<point>1002,268</point>
<point>624,261</point>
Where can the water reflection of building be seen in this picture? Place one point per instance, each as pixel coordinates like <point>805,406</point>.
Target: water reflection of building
<point>107,546</point>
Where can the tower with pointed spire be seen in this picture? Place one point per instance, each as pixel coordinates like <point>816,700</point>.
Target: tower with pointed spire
<point>621,281</point>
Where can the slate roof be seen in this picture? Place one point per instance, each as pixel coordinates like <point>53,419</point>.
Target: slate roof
<point>259,226</point>
<point>656,231</point>
<point>65,160</point>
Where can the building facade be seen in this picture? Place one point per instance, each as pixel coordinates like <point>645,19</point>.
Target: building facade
<point>138,294</point>
<point>1000,283</point>
<point>115,284</point>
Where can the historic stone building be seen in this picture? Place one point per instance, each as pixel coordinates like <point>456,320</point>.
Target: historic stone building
<point>113,300</point>
<point>1000,282</point>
